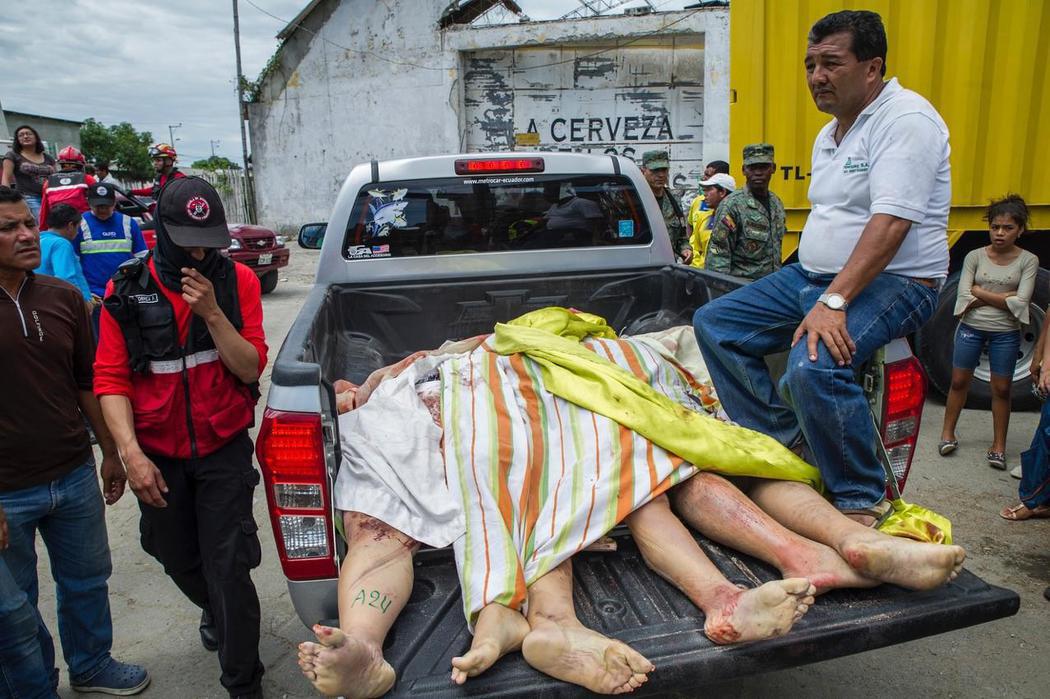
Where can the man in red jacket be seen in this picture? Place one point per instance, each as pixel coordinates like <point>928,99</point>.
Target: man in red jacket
<point>164,157</point>
<point>67,186</point>
<point>181,348</point>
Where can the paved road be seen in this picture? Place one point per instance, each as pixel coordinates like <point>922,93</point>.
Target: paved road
<point>156,626</point>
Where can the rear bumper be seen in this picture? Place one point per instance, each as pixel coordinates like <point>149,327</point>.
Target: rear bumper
<point>314,600</point>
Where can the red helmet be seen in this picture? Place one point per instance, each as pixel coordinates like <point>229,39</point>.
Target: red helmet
<point>162,150</point>
<point>69,154</point>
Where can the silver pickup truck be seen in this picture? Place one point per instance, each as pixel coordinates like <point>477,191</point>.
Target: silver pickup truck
<point>423,250</point>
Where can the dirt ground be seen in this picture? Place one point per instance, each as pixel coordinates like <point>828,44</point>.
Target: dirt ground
<point>155,626</point>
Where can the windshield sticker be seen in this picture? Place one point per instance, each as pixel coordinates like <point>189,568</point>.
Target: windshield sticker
<point>380,251</point>
<point>501,180</point>
<point>625,228</point>
<point>387,211</point>
<point>356,252</point>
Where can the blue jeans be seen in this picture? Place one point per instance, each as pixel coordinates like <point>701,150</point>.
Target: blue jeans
<point>1035,464</point>
<point>1002,349</point>
<point>23,674</point>
<point>820,399</point>
<point>34,204</point>
<point>70,516</point>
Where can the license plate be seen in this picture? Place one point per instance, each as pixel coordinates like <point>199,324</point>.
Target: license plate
<point>265,259</point>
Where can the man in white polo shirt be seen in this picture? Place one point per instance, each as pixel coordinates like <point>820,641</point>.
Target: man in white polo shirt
<point>873,254</point>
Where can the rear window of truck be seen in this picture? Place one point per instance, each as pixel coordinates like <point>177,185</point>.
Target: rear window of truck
<point>460,215</point>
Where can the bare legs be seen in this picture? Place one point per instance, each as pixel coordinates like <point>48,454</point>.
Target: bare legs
<point>903,562</point>
<point>499,630</point>
<point>717,509</point>
<point>374,585</point>
<point>732,614</point>
<point>956,400</point>
<point>560,646</point>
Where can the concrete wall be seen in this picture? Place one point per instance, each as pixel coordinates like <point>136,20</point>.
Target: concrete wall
<point>58,133</point>
<point>333,101</point>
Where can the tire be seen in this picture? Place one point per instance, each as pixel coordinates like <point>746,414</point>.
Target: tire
<point>268,281</point>
<point>935,342</point>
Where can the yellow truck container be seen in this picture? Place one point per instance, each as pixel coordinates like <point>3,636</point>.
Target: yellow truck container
<point>982,63</point>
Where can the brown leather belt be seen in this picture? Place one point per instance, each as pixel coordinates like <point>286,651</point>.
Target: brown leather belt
<point>931,283</point>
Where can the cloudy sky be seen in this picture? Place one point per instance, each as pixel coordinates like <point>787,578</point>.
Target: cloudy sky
<point>153,63</point>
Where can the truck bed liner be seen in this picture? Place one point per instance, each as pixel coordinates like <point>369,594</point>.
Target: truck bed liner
<point>615,593</point>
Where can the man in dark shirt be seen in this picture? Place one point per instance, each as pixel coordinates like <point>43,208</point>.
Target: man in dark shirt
<point>47,468</point>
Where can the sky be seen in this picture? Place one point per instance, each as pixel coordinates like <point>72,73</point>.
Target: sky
<point>154,63</point>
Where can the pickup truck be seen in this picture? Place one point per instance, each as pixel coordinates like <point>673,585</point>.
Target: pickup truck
<point>422,250</point>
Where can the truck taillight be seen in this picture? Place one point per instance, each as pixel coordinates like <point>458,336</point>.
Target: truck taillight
<point>290,449</point>
<point>902,404</point>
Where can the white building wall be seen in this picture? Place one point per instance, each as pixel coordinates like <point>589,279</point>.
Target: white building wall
<point>327,108</point>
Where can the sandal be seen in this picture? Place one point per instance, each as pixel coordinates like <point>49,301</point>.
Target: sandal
<point>1021,512</point>
<point>879,513</point>
<point>947,446</point>
<point>997,459</point>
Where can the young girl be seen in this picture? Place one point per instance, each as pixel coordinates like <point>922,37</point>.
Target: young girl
<point>994,292</point>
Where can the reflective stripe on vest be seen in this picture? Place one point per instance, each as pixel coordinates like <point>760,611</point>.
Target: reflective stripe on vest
<point>89,245</point>
<point>174,366</point>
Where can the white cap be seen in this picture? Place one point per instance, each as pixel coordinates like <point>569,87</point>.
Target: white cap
<point>722,180</point>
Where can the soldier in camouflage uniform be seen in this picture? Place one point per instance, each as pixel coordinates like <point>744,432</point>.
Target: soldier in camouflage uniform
<point>655,164</point>
<point>749,223</point>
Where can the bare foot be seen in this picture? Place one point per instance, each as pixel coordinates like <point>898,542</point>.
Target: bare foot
<point>584,657</point>
<point>500,630</point>
<point>759,613</point>
<point>823,567</point>
<point>342,665</point>
<point>911,564</point>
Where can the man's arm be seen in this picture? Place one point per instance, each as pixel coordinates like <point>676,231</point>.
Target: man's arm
<point>112,470</point>
<point>720,246</point>
<point>67,267</point>
<point>238,354</point>
<point>143,476</point>
<point>879,242</point>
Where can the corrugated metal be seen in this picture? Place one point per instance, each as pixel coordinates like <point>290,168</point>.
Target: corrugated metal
<point>982,63</point>
<point>591,98</point>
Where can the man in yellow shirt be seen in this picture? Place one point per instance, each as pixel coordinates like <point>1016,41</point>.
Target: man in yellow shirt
<point>698,222</point>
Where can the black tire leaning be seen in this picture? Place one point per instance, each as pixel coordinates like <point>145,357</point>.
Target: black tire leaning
<point>935,340</point>
<point>268,281</point>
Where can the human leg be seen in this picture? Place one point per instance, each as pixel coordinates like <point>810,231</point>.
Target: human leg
<point>735,332</point>
<point>374,585</point>
<point>560,646</point>
<point>956,400</point>
<point>885,558</point>
<point>499,630</point>
<point>1002,358</point>
<point>831,406</point>
<point>78,547</point>
<point>720,511</point>
<point>25,509</point>
<point>229,549</point>
<point>733,615</point>
<point>22,669</point>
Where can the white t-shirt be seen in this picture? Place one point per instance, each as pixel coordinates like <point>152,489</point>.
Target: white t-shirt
<point>893,160</point>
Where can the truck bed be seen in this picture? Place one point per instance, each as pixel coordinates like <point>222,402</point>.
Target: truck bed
<point>616,594</point>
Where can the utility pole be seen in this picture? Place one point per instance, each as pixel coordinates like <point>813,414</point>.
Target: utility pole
<point>213,144</point>
<point>242,115</point>
<point>171,133</point>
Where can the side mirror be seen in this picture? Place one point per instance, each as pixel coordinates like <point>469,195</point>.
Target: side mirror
<point>311,235</point>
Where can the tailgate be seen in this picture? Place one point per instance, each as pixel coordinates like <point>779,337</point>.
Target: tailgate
<point>617,594</point>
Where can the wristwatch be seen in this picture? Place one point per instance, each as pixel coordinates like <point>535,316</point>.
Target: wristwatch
<point>835,302</point>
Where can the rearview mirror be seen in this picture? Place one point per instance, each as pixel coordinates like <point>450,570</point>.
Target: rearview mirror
<point>311,235</point>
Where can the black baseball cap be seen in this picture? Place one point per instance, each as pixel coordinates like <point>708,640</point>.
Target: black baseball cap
<point>191,212</point>
<point>100,193</point>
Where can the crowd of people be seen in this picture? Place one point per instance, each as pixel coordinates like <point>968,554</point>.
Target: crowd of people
<point>160,353</point>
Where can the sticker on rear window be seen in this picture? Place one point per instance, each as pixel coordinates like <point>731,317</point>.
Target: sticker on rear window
<point>626,228</point>
<point>387,211</point>
<point>356,252</point>
<point>380,251</point>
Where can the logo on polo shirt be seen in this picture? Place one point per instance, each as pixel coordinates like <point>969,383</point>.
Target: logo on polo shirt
<point>855,165</point>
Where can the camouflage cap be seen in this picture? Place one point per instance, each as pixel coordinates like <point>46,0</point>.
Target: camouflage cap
<point>758,154</point>
<point>655,159</point>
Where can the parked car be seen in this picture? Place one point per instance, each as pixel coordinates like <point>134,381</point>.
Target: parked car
<point>255,246</point>
<point>428,249</point>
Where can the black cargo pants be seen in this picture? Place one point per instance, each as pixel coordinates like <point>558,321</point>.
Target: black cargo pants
<point>207,542</point>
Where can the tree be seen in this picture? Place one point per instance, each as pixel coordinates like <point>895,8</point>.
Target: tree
<point>214,163</point>
<point>126,149</point>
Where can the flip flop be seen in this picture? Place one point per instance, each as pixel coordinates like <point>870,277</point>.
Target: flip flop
<point>947,446</point>
<point>997,459</point>
<point>1021,512</point>
<point>879,513</point>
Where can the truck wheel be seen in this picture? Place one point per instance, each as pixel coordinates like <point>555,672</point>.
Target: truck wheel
<point>935,342</point>
<point>268,281</point>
